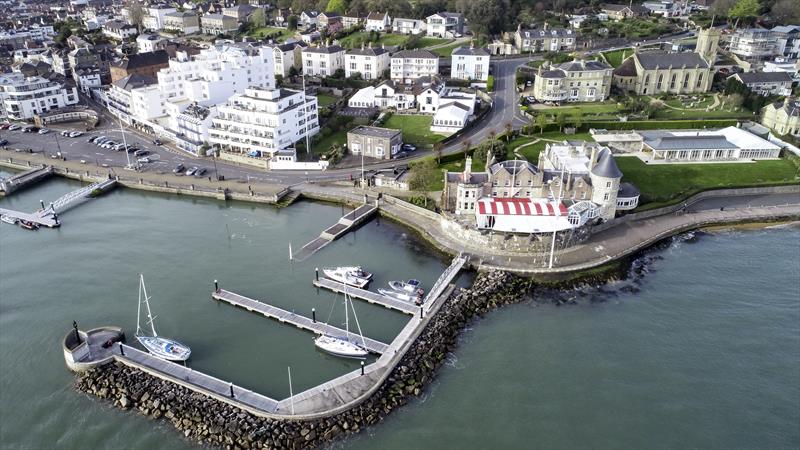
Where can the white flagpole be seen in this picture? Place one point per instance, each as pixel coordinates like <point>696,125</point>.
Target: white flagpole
<point>291,395</point>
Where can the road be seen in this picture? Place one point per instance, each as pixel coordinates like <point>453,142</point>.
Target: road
<point>505,110</point>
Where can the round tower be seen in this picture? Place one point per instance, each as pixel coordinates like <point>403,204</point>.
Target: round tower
<point>605,176</point>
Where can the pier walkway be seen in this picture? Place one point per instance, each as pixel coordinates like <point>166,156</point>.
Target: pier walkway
<point>444,280</point>
<point>194,380</point>
<point>295,319</point>
<point>48,217</point>
<point>21,180</point>
<point>369,296</point>
<point>337,230</point>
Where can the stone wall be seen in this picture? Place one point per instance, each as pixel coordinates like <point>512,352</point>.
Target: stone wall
<point>212,422</point>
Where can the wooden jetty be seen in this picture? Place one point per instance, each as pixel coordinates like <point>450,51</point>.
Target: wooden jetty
<point>337,230</point>
<point>281,315</point>
<point>48,216</point>
<point>369,296</point>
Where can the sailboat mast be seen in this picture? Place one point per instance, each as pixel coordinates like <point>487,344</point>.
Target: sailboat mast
<point>346,315</point>
<point>147,305</point>
<point>139,308</point>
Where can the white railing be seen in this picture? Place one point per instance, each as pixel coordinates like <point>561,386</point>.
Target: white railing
<point>444,280</point>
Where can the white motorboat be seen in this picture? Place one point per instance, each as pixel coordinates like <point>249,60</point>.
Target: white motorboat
<point>345,346</point>
<point>409,287</point>
<point>352,275</point>
<point>405,297</point>
<point>9,219</point>
<point>164,348</point>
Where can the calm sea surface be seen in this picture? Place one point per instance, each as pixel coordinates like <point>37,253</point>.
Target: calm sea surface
<point>704,351</point>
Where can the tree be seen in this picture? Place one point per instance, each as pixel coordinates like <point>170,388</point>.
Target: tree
<point>734,100</point>
<point>541,122</point>
<point>786,11</point>
<point>466,145</point>
<point>338,6</point>
<point>509,129</point>
<point>258,19</point>
<point>722,7</point>
<point>136,14</point>
<point>437,151</point>
<point>577,118</point>
<point>292,22</point>
<point>560,120</point>
<point>423,176</point>
<point>493,148</point>
<point>744,9</point>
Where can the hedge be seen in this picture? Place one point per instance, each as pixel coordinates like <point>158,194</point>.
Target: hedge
<point>658,124</point>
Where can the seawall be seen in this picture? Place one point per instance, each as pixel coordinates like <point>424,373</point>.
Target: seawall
<point>213,422</point>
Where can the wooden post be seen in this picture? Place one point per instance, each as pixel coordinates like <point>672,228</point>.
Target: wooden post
<point>232,396</point>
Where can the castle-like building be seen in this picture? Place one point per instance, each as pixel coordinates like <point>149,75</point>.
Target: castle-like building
<point>573,183</point>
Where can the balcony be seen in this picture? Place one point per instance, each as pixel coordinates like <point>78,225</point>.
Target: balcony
<point>553,95</point>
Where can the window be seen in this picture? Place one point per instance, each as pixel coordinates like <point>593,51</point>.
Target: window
<point>608,184</point>
<point>605,197</point>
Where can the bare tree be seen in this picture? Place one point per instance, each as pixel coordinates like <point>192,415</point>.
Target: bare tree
<point>136,14</point>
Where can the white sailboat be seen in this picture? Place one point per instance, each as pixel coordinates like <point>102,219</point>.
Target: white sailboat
<point>164,348</point>
<point>346,346</point>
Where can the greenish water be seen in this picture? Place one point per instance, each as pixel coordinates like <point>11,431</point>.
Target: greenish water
<point>702,352</point>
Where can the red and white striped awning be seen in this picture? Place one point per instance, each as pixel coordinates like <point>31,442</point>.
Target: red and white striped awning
<point>520,207</point>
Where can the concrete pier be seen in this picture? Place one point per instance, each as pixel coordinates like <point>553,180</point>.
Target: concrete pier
<point>337,230</point>
<point>302,322</point>
<point>48,216</point>
<point>24,179</point>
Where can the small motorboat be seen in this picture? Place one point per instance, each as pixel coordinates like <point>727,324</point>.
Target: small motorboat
<point>9,219</point>
<point>339,346</point>
<point>28,225</point>
<point>352,275</point>
<point>405,297</point>
<point>411,286</point>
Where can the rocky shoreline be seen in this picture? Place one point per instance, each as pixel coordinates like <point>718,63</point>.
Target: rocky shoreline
<point>212,422</point>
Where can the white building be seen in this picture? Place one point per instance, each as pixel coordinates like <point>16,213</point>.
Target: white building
<point>262,121</point>
<point>385,95</point>
<point>752,44</point>
<point>445,25</point>
<point>450,118</point>
<point>322,61</point>
<point>409,65</point>
<point>378,22</point>
<point>792,67</point>
<point>119,30</point>
<point>369,62</point>
<point>727,144</point>
<point>287,56</point>
<point>408,26</point>
<point>22,98</point>
<point>470,64</point>
<point>88,78</point>
<point>766,83</point>
<point>135,99</point>
<point>154,20</point>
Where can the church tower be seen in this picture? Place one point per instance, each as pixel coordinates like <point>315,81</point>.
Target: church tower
<point>708,44</point>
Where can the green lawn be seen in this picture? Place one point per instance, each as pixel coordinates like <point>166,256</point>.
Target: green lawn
<point>416,129</point>
<point>429,41</point>
<point>718,113</point>
<point>356,39</point>
<point>263,32</point>
<point>326,99</point>
<point>615,57</point>
<point>606,109</point>
<point>663,184</point>
<point>340,137</point>
<point>446,51</point>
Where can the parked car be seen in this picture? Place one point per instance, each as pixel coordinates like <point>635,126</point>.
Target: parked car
<point>3,142</point>
<point>4,126</point>
<point>14,127</point>
<point>30,129</point>
<point>191,171</point>
<point>93,138</point>
<point>108,144</point>
<point>119,147</point>
<point>132,149</point>
<point>157,142</point>
<point>44,131</point>
<point>65,133</point>
<point>141,153</point>
<point>100,140</point>
<point>200,172</point>
<point>408,147</point>
<point>530,99</point>
<point>179,168</point>
<point>74,134</point>
<point>145,160</point>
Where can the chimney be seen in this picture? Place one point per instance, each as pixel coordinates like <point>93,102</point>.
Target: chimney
<point>467,169</point>
<point>593,158</point>
<point>545,26</point>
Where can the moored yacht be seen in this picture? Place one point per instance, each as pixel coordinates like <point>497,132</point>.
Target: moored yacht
<point>351,275</point>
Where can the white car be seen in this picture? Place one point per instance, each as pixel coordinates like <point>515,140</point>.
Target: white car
<point>44,131</point>
<point>145,159</point>
<point>75,134</point>
<point>14,128</point>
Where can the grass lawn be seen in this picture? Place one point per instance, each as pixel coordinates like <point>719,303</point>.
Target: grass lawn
<point>354,40</point>
<point>416,129</point>
<point>262,32</point>
<point>605,109</point>
<point>326,99</point>
<point>719,113</point>
<point>446,51</point>
<point>663,184</point>
<point>429,41</point>
<point>615,57</point>
<point>340,137</point>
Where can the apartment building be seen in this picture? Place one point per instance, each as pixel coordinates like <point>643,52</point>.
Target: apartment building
<point>23,97</point>
<point>216,24</point>
<point>470,63</point>
<point>444,25</point>
<point>262,121</point>
<point>322,61</point>
<point>409,65</point>
<point>576,81</point>
<point>368,61</point>
<point>182,21</point>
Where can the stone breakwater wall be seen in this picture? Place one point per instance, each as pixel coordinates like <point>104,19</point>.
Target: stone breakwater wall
<point>212,422</point>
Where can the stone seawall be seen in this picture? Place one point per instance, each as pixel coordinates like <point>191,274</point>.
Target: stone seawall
<point>209,421</point>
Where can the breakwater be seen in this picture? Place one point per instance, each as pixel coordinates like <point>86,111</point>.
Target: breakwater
<point>210,421</point>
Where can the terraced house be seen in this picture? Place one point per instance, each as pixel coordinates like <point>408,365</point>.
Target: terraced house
<point>409,65</point>
<point>369,62</point>
<point>322,61</point>
<point>545,40</point>
<point>783,117</point>
<point>576,81</point>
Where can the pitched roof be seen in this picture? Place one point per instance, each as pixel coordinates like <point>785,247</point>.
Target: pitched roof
<point>653,60</point>
<point>582,65</point>
<point>143,60</point>
<point>134,81</point>
<point>376,16</point>
<point>327,49</point>
<point>763,77</point>
<point>367,51</point>
<point>471,51</point>
<point>557,73</point>
<point>671,142</point>
<point>626,69</point>
<point>416,54</point>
